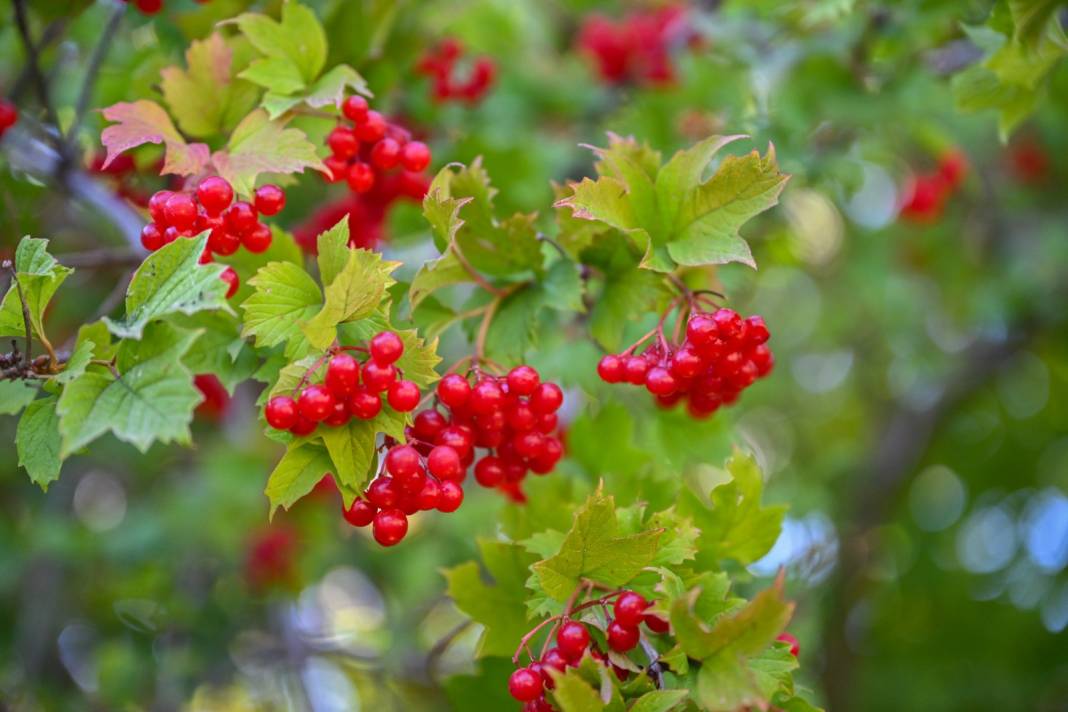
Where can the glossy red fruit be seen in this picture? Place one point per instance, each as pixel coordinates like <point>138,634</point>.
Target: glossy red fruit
<point>403,396</point>
<point>303,426</point>
<point>486,397</point>
<point>315,403</point>
<point>429,495</point>
<point>635,370</point>
<point>364,404</point>
<point>629,608</point>
<point>529,444</point>
<point>215,194</point>
<point>450,496</point>
<point>241,218</point>
<point>151,237</point>
<point>343,142</point>
<point>386,347</point>
<point>545,461</point>
<point>258,239</point>
<point>156,207</point>
<point>453,390</point>
<point>180,211</point>
<point>269,199</point>
<point>523,381</point>
<point>572,639</point>
<point>385,154</point>
<point>337,168</point>
<point>459,438</point>
<point>611,368</point>
<point>415,156</point>
<point>229,276</point>
<point>525,685</point>
<point>686,364</point>
<point>361,513</point>
<point>701,330</point>
<point>729,324</point>
<point>795,646</point>
<point>223,242</point>
<point>520,416</point>
<point>378,377</point>
<point>372,128</point>
<point>622,638</point>
<point>756,331</point>
<point>281,412</point>
<point>547,398</point>
<point>488,471</point>
<point>360,177</point>
<point>445,463</point>
<point>656,623</point>
<point>427,424</point>
<point>355,108</point>
<point>389,526</point>
<point>342,375</point>
<point>403,460</point>
<point>660,382</point>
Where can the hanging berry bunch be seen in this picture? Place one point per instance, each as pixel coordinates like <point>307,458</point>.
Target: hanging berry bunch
<point>924,195</point>
<point>440,64</point>
<point>720,355</point>
<point>364,153</point>
<point>637,48</point>
<point>8,116</point>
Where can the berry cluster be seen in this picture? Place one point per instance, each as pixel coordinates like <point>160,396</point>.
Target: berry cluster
<point>924,195</point>
<point>9,114</point>
<point>622,634</point>
<point>349,389</point>
<point>637,48</point>
<point>216,399</point>
<point>511,417</point>
<point>439,64</point>
<point>721,355</point>
<point>362,154</point>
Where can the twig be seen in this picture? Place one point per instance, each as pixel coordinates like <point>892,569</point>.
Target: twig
<point>39,83</point>
<point>442,645</point>
<point>51,33</point>
<point>96,60</point>
<point>483,331</point>
<point>474,274</point>
<point>25,311</point>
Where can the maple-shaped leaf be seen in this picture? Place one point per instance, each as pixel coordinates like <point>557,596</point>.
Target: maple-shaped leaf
<point>296,474</point>
<point>294,47</point>
<point>499,606</point>
<point>674,217</point>
<point>37,278</point>
<point>593,549</point>
<point>285,297</point>
<point>355,292</point>
<point>206,98</point>
<point>352,448</point>
<point>261,145</point>
<point>328,90</point>
<point>144,121</point>
<point>37,441</point>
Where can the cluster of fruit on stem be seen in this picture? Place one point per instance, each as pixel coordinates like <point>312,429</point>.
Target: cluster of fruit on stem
<point>512,418</point>
<point>720,355</point>
<point>924,195</point>
<point>349,389</point>
<point>636,48</point>
<point>9,114</point>
<point>363,153</point>
<point>440,65</point>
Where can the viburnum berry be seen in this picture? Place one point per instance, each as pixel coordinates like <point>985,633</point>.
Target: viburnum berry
<point>383,493</point>
<point>229,275</point>
<point>403,460</point>
<point>427,424</point>
<point>655,623</point>
<point>315,403</point>
<point>9,115</point>
<point>525,685</point>
<point>572,639</point>
<point>342,374</point>
<point>343,142</point>
<point>364,404</point>
<point>303,426</point>
<point>622,638</point>
<point>180,211</point>
<point>372,128</point>
<point>361,513</point>
<point>269,199</point>
<point>429,496</point>
<point>151,237</point>
<point>453,390</point>
<point>281,412</point>
<point>629,608</point>
<point>450,496</point>
<point>659,381</point>
<point>156,206</point>
<point>215,194</point>
<point>488,471</point>
<point>611,368</point>
<point>360,177</point>
<point>389,526</point>
<point>386,154</point>
<point>378,377</point>
<point>523,380</point>
<point>403,396</point>
<point>386,347</point>
<point>415,156</point>
<point>241,217</point>
<point>547,398</point>
<point>355,108</point>
<point>795,646</point>
<point>486,397</point>
<point>444,463</point>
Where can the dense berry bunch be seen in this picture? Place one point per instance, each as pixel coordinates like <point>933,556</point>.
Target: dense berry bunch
<point>636,48</point>
<point>350,389</point>
<point>440,65</point>
<point>511,418</point>
<point>924,195</point>
<point>363,154</point>
<point>721,355</point>
<point>8,116</point>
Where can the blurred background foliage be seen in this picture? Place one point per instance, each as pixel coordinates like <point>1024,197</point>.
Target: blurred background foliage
<point>916,424</point>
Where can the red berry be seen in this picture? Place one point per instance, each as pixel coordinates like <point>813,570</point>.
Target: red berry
<point>762,359</point>
<point>342,375</point>
<point>386,347</point>
<point>415,156</point>
<point>756,330</point>
<point>229,276</point>
<point>372,128</point>
<point>686,363</point>
<point>458,438</point>
<point>729,324</point>
<point>656,623</point>
<point>622,638</point>
<point>215,194</point>
<point>9,115</point>
<point>361,177</point>
<point>554,659</point>
<point>547,423</point>
<point>258,239</point>
<point>403,396</point>
<point>444,463</point>
<point>403,461</point>
<point>385,154</point>
<point>149,7</point>
<point>635,370</point>
<point>355,108</point>
<point>151,237</point>
<point>241,218</point>
<point>315,403</point>
<point>529,444</point>
<point>364,404</point>
<point>337,168</point>
<point>521,416</point>
<point>360,514</point>
<point>525,685</point>
<point>486,397</point>
<point>572,639</point>
<point>795,646</point>
<point>339,415</point>
<point>269,199</point>
<point>701,330</point>
<point>378,377</point>
<point>610,368</point>
<point>223,242</point>
<point>343,142</point>
<point>547,398</point>
<point>180,211</point>
<point>383,493</point>
<point>629,608</point>
<point>429,495</point>
<point>454,390</point>
<point>523,380</point>
<point>281,412</point>
<point>389,526</point>
<point>551,452</point>
<point>450,496</point>
<point>660,382</point>
<point>489,472</point>
<point>156,207</point>
<point>303,426</point>
<point>427,424</point>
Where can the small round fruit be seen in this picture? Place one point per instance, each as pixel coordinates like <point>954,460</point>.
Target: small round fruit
<point>523,380</point>
<point>525,685</point>
<point>454,390</point>
<point>269,199</point>
<point>610,368</point>
<point>403,460</point>
<point>660,382</point>
<point>403,396</point>
<point>180,211</point>
<point>281,412</point>
<point>415,156</point>
<point>572,639</point>
<point>303,427</point>
<point>342,375</point>
<point>156,207</point>
<point>241,218</point>
<point>486,397</point>
<point>386,347</point>
<point>386,154</point>
<point>445,463</point>
<point>383,493</point>
<point>343,142</point>
<point>361,177</point>
<point>229,276</point>
<point>215,193</point>
<point>629,608</point>
<point>389,526</point>
<point>151,237</point>
<point>547,398</point>
<point>258,239</point>
<point>223,242</point>
<point>459,438</point>
<point>315,403</point>
<point>355,108</point>
<point>450,496</point>
<point>655,623</point>
<point>378,377</point>
<point>622,638</point>
<point>489,471</point>
<point>361,513</point>
<point>429,495</point>
<point>635,370</point>
<point>364,404</point>
<point>428,423</point>
<point>372,128</point>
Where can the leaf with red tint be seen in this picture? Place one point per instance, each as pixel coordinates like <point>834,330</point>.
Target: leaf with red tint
<point>142,122</point>
<point>260,145</point>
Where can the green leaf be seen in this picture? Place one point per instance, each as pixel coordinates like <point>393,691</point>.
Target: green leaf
<point>333,251</point>
<point>16,395</point>
<point>205,98</point>
<point>437,274</point>
<point>143,122</point>
<point>733,523</point>
<point>724,684</point>
<point>39,277</point>
<point>77,363</point>
<point>627,294</point>
<point>171,280</point>
<point>352,446</point>
<point>593,550</point>
<point>37,440</point>
<point>613,423</point>
<point>355,293</point>
<point>296,474</point>
<point>219,349</point>
<point>573,694</point>
<point>329,90</point>
<point>152,400</point>
<point>419,359</point>
<point>296,43</point>
<point>501,606</point>
<point>285,297</point>
<point>660,701</point>
<point>261,145</point>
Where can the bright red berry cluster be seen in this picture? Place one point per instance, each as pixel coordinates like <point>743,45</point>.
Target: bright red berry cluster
<point>721,355</point>
<point>363,154</point>
<point>637,48</point>
<point>440,64</point>
<point>349,389</point>
<point>924,195</point>
<point>9,114</point>
<point>513,418</point>
<point>622,633</point>
<point>216,399</point>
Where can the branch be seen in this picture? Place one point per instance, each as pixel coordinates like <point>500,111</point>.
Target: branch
<point>51,33</point>
<point>100,51</point>
<point>34,67</point>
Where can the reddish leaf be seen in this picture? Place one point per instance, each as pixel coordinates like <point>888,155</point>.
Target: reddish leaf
<point>143,122</point>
